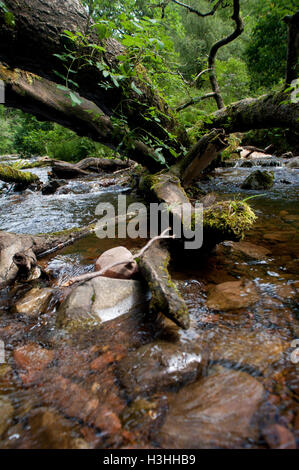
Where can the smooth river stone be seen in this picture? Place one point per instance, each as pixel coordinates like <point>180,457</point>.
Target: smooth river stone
<point>100,300</point>
<point>214,412</point>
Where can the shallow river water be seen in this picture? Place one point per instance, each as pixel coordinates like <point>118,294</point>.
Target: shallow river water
<point>138,381</point>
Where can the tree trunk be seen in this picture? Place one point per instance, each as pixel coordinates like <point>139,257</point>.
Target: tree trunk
<point>292,69</point>
<point>38,34</point>
<point>265,112</point>
<point>20,252</point>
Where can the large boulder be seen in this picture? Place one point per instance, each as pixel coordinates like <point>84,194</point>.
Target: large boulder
<point>127,270</point>
<point>214,412</point>
<point>99,300</point>
<point>259,180</point>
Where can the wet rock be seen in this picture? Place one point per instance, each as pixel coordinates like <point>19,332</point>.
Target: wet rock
<point>127,270</point>
<point>214,412</point>
<point>51,430</point>
<point>250,250</point>
<point>293,163</point>
<point>35,302</point>
<point>285,291</point>
<point>51,187</point>
<point>232,295</point>
<point>244,348</point>
<point>157,366</point>
<point>144,416</point>
<point>278,437</point>
<point>280,236</point>
<point>6,414</point>
<point>287,155</point>
<point>77,402</point>
<point>32,360</point>
<point>259,180</point>
<point>99,300</point>
<point>246,164</point>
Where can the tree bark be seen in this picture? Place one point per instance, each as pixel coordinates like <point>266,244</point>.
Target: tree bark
<point>38,34</point>
<point>20,252</point>
<point>292,69</point>
<point>265,112</point>
<point>41,97</point>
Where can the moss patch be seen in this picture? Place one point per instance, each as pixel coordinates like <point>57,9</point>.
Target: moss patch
<point>11,175</point>
<point>229,218</point>
<point>259,180</point>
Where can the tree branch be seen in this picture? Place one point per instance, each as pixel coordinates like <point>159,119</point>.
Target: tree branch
<point>194,101</point>
<point>197,12</point>
<point>223,42</point>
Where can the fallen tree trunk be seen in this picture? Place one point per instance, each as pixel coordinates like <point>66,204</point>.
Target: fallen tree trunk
<point>19,253</point>
<point>97,165</point>
<point>38,38</point>
<point>86,167</point>
<point>41,97</point>
<point>265,112</point>
<point>21,178</point>
<point>64,170</point>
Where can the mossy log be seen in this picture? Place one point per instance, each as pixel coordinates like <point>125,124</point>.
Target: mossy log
<point>266,112</point>
<point>22,178</point>
<point>166,298</point>
<point>200,157</point>
<point>228,220</point>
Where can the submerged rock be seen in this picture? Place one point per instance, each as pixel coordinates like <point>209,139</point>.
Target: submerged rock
<point>279,437</point>
<point>6,414</point>
<point>34,302</point>
<point>259,180</point>
<point>99,300</point>
<point>214,412</point>
<point>158,366</point>
<point>127,270</point>
<point>244,348</point>
<point>247,249</point>
<point>293,163</point>
<point>51,430</point>
<point>232,295</point>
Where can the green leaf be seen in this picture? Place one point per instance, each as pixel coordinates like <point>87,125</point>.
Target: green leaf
<point>134,88</point>
<point>75,99</point>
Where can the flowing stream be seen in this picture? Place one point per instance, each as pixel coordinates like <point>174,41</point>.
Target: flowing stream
<point>231,380</point>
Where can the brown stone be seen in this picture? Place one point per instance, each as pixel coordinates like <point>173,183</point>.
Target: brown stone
<point>248,249</point>
<point>116,255</point>
<point>232,295</point>
<point>157,366</point>
<point>279,437</point>
<point>243,347</point>
<point>214,412</point>
<point>33,359</point>
<point>34,302</point>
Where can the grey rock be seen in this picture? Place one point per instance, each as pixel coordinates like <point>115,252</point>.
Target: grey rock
<point>99,300</point>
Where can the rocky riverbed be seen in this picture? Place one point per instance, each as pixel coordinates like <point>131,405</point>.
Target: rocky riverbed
<point>133,380</point>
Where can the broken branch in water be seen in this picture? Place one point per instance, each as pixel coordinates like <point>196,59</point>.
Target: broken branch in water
<point>89,276</point>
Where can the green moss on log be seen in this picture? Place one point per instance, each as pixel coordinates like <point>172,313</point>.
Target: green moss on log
<point>231,219</point>
<point>11,175</point>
